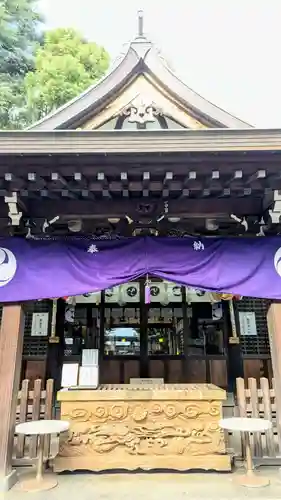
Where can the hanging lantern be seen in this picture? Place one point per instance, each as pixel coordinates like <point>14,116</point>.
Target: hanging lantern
<point>165,300</point>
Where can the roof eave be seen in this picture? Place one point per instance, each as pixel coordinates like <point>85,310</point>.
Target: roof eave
<point>120,142</point>
<point>74,110</point>
<point>201,107</point>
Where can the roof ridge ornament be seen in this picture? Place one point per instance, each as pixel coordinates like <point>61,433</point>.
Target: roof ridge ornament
<point>140,24</point>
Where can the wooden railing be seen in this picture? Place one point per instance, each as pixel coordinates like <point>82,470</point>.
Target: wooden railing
<point>33,404</point>
<point>251,401</point>
<point>259,401</point>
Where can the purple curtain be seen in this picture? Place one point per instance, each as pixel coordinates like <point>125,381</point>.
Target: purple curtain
<point>31,269</point>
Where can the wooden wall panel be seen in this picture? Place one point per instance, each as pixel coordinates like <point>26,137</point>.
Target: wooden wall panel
<point>257,368</point>
<point>131,370</point>
<point>269,369</point>
<point>156,368</point>
<point>253,368</point>
<point>174,371</point>
<point>196,369</point>
<point>218,372</point>
<point>110,371</point>
<point>35,369</point>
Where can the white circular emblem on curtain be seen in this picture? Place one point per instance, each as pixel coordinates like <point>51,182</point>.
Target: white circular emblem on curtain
<point>277,261</point>
<point>8,266</point>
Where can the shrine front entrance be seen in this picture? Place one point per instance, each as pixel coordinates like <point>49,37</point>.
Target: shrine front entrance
<point>179,336</point>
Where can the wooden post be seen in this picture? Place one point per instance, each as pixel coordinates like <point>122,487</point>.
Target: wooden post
<point>231,338</point>
<point>186,336</point>
<point>274,332</point>
<point>11,345</point>
<point>56,349</point>
<point>144,360</point>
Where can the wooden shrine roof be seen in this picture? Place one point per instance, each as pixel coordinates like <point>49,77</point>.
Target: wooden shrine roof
<point>140,58</point>
<point>100,175</point>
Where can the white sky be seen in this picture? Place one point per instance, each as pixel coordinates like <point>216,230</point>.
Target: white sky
<point>229,51</point>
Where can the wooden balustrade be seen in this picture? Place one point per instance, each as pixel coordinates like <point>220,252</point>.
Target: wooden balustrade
<point>259,401</point>
<point>33,404</point>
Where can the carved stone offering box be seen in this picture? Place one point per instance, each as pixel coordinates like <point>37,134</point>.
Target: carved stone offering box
<point>171,426</point>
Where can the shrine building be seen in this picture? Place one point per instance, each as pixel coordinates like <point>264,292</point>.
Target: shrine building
<point>139,158</point>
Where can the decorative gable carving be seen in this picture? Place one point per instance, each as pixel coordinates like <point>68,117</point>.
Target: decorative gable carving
<point>143,102</point>
<point>141,111</point>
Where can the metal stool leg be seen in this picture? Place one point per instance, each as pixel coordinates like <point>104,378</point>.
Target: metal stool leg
<point>250,479</point>
<point>40,461</point>
<point>41,482</point>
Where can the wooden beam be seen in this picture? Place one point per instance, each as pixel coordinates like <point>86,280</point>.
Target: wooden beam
<point>145,184</point>
<point>79,181</point>
<point>259,175</point>
<point>65,193</point>
<point>35,181</point>
<point>191,181</point>
<point>57,180</point>
<point>236,178</point>
<point>122,207</point>
<point>11,345</point>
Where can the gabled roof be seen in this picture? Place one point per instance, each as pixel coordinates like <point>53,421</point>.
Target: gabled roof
<point>140,58</point>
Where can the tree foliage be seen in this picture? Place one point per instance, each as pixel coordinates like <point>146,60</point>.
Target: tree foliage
<point>65,65</point>
<point>19,37</point>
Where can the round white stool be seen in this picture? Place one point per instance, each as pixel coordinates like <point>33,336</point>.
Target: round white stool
<point>247,425</point>
<point>41,428</point>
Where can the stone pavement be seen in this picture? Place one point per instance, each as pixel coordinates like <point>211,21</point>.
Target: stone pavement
<point>154,486</point>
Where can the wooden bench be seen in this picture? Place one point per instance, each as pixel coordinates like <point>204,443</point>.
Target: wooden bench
<point>33,404</point>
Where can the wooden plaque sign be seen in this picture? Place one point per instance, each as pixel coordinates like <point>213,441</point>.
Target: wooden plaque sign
<point>146,381</point>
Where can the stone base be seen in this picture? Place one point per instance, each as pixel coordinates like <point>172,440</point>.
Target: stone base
<point>7,482</point>
<point>218,462</point>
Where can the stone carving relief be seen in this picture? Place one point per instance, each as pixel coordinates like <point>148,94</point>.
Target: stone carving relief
<point>168,428</point>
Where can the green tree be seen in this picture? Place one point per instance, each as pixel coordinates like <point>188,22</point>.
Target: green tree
<point>65,66</point>
<point>19,37</point>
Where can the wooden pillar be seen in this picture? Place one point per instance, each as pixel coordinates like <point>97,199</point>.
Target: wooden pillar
<point>274,332</point>
<point>56,349</point>
<point>144,359</point>
<point>11,346</point>
<point>232,342</point>
<point>101,343</point>
<point>186,336</point>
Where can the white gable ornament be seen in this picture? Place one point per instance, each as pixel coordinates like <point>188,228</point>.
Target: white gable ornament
<point>141,111</point>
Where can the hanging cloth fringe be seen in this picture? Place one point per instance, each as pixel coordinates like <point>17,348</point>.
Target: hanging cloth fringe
<point>147,291</point>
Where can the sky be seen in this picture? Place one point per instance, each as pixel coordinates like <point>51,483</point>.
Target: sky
<point>226,50</point>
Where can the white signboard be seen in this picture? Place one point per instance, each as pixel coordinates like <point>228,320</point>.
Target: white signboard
<point>89,376</point>
<point>247,322</point>
<point>39,326</point>
<point>90,357</point>
<point>69,375</point>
